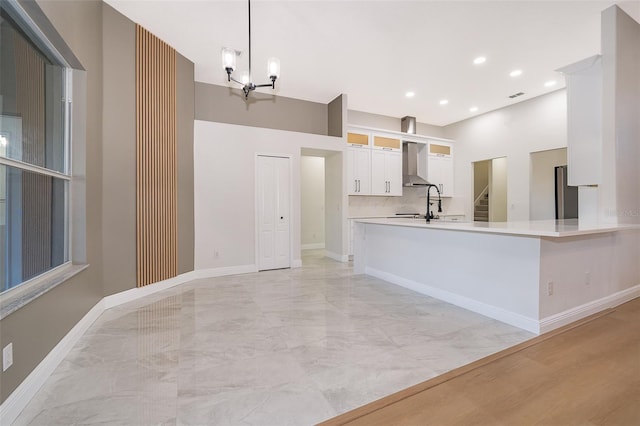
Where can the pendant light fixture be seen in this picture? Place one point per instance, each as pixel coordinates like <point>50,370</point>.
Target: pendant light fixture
<point>229,65</point>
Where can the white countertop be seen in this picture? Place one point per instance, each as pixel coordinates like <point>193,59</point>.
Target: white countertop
<point>538,228</point>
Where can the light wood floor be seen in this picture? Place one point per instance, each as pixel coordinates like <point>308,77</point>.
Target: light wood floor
<point>587,373</point>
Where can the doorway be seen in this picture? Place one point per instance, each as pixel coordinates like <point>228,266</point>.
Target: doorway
<point>333,197</point>
<point>274,212</point>
<point>490,190</point>
<point>549,195</point>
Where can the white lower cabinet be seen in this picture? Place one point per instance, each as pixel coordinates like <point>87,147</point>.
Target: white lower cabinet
<point>386,173</point>
<point>359,171</point>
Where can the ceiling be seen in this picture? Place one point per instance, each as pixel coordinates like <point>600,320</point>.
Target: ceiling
<point>377,51</point>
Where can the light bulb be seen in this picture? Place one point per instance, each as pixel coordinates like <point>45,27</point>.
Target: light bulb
<point>273,67</point>
<point>228,59</point>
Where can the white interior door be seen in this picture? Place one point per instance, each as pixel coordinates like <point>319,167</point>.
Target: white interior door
<point>274,205</point>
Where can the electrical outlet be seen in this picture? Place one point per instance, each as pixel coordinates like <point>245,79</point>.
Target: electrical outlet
<point>550,288</point>
<point>216,255</point>
<point>7,356</point>
<point>587,278</point>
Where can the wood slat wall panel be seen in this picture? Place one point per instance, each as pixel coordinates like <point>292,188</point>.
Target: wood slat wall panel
<point>156,159</point>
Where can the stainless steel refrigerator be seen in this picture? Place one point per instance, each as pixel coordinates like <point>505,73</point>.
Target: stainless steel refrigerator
<point>566,196</point>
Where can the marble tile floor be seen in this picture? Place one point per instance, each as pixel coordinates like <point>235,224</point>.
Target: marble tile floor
<point>284,347</point>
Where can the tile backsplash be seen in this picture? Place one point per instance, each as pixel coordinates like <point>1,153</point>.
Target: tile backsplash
<point>413,200</point>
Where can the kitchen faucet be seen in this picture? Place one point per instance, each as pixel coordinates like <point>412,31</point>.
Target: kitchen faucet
<point>429,214</point>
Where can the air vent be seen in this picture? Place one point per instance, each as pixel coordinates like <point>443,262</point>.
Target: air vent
<point>516,95</point>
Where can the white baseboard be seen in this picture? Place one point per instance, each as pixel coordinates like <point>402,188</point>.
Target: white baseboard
<point>574,314</point>
<point>508,317</point>
<point>137,293</point>
<point>336,256</point>
<point>529,324</point>
<point>312,246</point>
<point>20,397</point>
<point>224,271</point>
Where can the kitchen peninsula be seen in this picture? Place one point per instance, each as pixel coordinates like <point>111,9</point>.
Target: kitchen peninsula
<point>536,275</point>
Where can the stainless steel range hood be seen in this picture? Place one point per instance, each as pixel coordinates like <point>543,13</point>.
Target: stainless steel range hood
<point>411,156</point>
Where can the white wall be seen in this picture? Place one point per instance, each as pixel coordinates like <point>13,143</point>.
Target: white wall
<point>588,268</point>
<point>621,126</point>
<point>224,189</point>
<point>312,201</point>
<point>617,197</point>
<point>335,198</point>
<point>513,132</point>
<point>542,194</point>
<point>498,190</point>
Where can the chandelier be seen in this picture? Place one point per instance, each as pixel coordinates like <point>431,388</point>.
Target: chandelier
<point>229,64</point>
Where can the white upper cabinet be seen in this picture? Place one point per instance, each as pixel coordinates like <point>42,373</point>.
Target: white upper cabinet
<point>374,163</point>
<point>358,171</point>
<point>386,166</point>
<point>386,173</point>
<point>358,163</point>
<point>440,167</point>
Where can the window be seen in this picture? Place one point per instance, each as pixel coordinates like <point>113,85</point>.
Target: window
<point>35,173</point>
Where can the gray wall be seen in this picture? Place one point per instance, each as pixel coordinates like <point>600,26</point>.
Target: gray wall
<point>227,105</point>
<point>391,123</point>
<point>334,110</point>
<point>104,42</point>
<point>37,327</point>
<point>118,152</point>
<point>185,108</point>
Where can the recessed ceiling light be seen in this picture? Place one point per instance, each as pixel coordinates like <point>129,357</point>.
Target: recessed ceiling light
<point>473,109</point>
<point>550,83</point>
<point>515,73</point>
<point>479,60</point>
<point>410,94</point>
<point>444,102</point>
